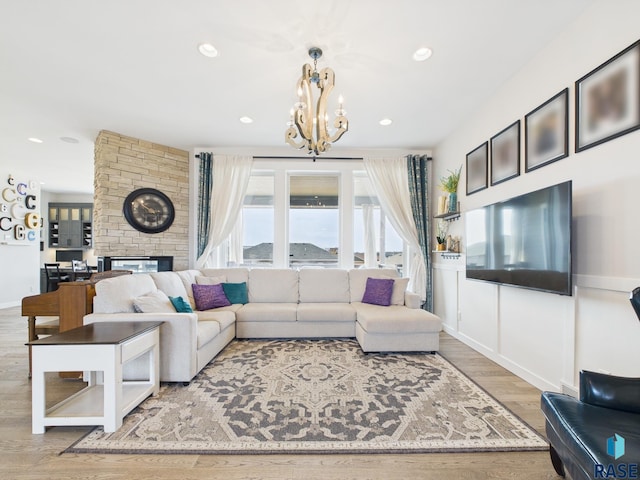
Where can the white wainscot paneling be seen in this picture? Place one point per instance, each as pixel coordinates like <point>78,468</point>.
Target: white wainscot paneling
<point>607,333</point>
<point>477,324</point>
<point>445,297</point>
<point>532,328</point>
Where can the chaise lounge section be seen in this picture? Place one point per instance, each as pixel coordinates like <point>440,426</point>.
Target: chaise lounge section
<point>280,303</point>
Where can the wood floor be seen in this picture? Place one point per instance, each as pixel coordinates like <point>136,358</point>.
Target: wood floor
<point>27,456</point>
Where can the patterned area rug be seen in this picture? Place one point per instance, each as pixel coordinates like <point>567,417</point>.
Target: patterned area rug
<point>318,396</point>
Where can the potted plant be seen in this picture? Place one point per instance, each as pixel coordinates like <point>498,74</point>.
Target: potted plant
<point>450,185</point>
<point>441,235</point>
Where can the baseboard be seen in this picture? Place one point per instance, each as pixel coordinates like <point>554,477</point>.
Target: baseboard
<point>526,375</point>
<point>9,304</point>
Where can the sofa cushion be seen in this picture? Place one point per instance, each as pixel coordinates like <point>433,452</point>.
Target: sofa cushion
<point>207,331</point>
<point>267,312</point>
<point>396,319</point>
<point>170,283</point>
<point>378,291</point>
<point>116,294</point>
<point>236,292</point>
<point>188,278</point>
<point>224,318</point>
<point>319,285</point>
<point>358,280</point>
<point>233,275</point>
<point>204,280</point>
<point>399,289</point>
<point>326,312</point>
<point>209,296</point>
<point>153,302</point>
<point>273,285</point>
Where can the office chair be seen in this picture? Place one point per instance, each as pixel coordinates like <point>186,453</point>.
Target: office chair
<point>54,277</point>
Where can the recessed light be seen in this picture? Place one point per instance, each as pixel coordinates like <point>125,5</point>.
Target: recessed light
<point>34,140</point>
<point>386,122</point>
<point>246,119</point>
<point>69,140</point>
<point>421,54</point>
<point>208,50</point>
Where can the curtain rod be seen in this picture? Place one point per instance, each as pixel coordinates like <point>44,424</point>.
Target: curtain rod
<point>281,157</point>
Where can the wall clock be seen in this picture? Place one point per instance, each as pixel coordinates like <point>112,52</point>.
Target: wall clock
<point>148,210</point>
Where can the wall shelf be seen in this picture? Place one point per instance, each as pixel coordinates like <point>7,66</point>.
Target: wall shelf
<point>448,216</point>
<point>447,255</point>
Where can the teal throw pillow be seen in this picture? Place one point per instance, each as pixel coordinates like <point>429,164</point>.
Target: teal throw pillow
<point>236,292</point>
<point>181,305</point>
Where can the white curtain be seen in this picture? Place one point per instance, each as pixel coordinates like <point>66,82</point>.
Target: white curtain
<point>369,236</point>
<point>236,251</point>
<point>230,179</point>
<point>389,177</point>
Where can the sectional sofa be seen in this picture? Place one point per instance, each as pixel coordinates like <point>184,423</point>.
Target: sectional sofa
<point>372,305</point>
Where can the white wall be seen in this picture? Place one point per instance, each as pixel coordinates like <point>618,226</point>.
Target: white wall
<point>545,338</point>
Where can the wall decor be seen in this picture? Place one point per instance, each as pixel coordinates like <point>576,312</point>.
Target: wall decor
<point>148,210</point>
<point>20,220</point>
<point>608,99</point>
<point>477,163</point>
<point>546,132</point>
<point>505,154</point>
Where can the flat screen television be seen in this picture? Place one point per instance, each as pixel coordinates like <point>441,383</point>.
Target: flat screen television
<point>524,241</point>
<point>68,255</point>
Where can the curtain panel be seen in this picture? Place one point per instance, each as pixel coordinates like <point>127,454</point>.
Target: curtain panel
<point>204,199</point>
<point>230,178</point>
<point>389,178</point>
<point>419,197</point>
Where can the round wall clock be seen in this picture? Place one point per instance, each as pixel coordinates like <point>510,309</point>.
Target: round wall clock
<point>148,210</point>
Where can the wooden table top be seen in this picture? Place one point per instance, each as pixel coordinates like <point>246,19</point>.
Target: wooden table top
<point>101,333</point>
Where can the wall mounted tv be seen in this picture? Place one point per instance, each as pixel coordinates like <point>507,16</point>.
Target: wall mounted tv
<point>524,241</point>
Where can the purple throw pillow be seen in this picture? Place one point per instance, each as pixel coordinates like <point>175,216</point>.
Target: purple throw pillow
<point>209,296</point>
<point>378,291</point>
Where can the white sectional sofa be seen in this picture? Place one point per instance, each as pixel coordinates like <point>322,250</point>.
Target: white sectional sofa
<point>282,303</point>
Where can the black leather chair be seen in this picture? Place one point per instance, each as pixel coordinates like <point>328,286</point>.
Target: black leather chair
<point>579,430</point>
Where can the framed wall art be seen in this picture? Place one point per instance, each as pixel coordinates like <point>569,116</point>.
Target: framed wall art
<point>477,161</point>
<point>546,132</point>
<point>608,99</point>
<point>505,154</point>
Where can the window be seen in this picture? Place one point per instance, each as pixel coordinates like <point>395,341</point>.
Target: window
<point>371,227</point>
<point>298,212</point>
<point>313,220</point>
<point>258,221</point>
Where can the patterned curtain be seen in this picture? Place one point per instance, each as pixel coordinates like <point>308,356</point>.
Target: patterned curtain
<point>419,190</point>
<point>205,180</point>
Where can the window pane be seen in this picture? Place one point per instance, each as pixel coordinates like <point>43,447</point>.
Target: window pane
<point>258,221</point>
<point>313,220</point>
<point>387,239</point>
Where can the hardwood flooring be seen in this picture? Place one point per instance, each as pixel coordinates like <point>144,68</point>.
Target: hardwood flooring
<point>25,456</point>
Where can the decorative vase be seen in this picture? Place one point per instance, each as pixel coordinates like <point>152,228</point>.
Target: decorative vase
<point>440,247</point>
<point>453,202</point>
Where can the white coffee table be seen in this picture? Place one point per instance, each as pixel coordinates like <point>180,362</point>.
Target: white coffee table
<point>100,350</point>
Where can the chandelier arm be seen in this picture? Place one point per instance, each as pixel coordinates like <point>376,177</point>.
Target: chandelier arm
<point>303,117</point>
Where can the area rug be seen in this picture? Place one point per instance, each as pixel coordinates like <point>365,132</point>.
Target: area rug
<point>318,396</point>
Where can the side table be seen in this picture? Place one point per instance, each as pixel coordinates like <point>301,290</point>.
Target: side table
<point>99,347</point>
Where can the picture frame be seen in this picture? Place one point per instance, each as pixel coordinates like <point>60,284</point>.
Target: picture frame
<point>546,132</point>
<point>607,100</point>
<point>505,154</point>
<point>477,163</point>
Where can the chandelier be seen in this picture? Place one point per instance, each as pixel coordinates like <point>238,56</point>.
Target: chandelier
<point>313,124</point>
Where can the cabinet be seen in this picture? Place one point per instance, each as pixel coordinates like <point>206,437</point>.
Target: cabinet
<point>70,225</point>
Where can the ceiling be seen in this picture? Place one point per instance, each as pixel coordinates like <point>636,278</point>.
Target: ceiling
<point>70,68</point>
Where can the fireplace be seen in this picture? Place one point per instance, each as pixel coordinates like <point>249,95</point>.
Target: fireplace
<point>138,264</point>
